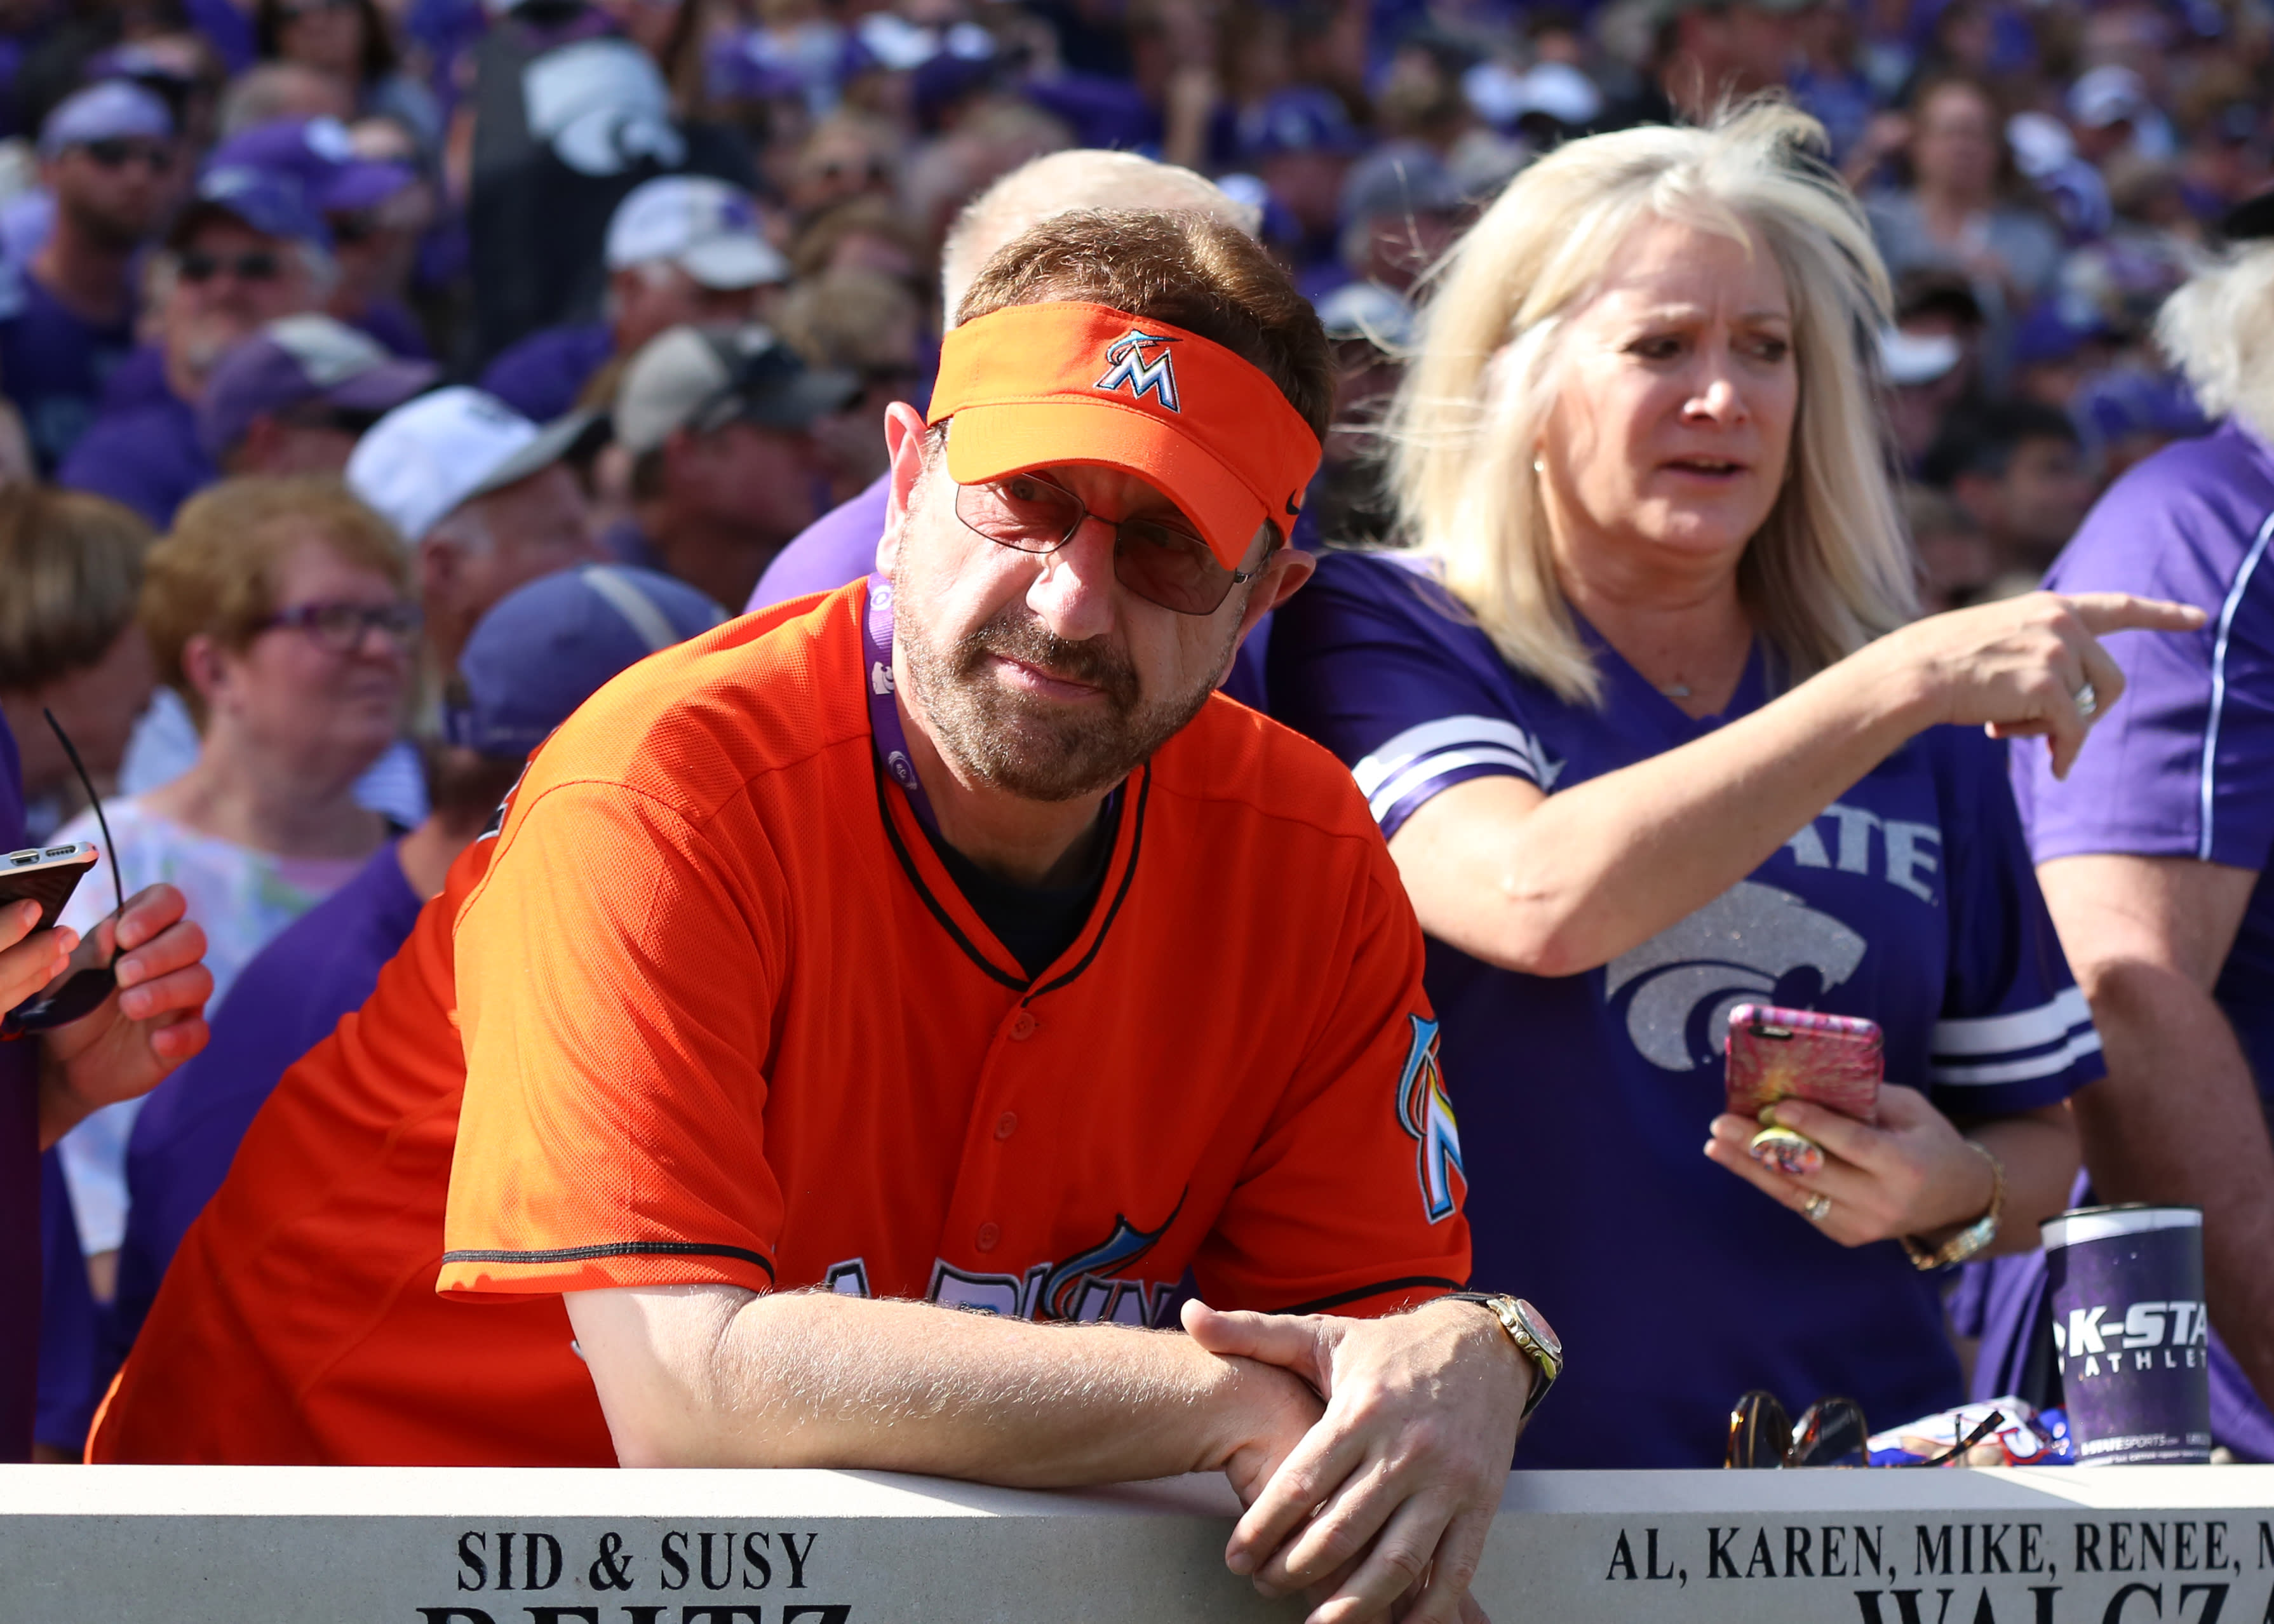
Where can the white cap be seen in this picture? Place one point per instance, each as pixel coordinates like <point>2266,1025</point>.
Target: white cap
<point>1912,359</point>
<point>426,459</point>
<point>2041,143</point>
<point>707,228</point>
<point>2107,96</point>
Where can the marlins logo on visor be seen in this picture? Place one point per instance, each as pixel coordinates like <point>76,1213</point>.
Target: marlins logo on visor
<point>1132,370</point>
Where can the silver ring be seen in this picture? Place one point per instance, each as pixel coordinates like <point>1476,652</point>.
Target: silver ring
<point>2088,702</point>
<point>1817,1206</point>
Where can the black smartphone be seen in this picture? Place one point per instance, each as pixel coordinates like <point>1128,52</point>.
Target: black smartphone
<point>47,875</point>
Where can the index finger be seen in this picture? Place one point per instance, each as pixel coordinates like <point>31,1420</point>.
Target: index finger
<point>149,912</point>
<point>2121,612</point>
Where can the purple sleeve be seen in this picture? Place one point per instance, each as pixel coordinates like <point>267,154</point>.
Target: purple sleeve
<point>835,550</point>
<point>2183,764</point>
<point>20,1186</point>
<point>1367,662</point>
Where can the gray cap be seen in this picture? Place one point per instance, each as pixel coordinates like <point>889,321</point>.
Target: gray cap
<point>705,378</point>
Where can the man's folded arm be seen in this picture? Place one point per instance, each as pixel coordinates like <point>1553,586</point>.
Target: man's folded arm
<point>714,1375</point>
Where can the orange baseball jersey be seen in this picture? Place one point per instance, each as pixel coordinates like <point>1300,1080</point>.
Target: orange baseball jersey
<point>725,1017</point>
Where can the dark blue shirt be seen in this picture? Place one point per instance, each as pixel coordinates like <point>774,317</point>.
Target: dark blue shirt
<point>143,449</point>
<point>54,363</point>
<point>1584,1100</point>
<point>19,1183</point>
<point>541,376</point>
<point>320,968</point>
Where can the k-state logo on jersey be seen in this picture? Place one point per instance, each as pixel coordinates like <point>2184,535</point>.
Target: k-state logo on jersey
<point>1427,1115</point>
<point>1131,372</point>
<point>1753,944</point>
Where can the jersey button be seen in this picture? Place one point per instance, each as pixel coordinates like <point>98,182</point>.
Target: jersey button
<point>1006,1124</point>
<point>1023,1027</point>
<point>988,1234</point>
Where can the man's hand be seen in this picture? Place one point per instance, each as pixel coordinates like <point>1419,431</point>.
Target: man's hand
<point>134,1038</point>
<point>1389,1498</point>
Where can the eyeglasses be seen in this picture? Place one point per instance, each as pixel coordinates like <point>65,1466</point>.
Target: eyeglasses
<point>83,990</point>
<point>253,265</point>
<point>1159,562</point>
<point>116,152</point>
<point>1831,1432</point>
<point>341,628</point>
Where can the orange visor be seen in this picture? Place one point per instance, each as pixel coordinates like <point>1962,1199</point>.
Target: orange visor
<point>1042,386</point>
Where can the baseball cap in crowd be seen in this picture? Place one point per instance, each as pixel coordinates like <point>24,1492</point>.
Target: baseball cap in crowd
<point>1035,385</point>
<point>1367,310</point>
<point>1915,359</point>
<point>544,649</point>
<point>114,110</point>
<point>322,157</point>
<point>272,204</point>
<point>1302,118</point>
<point>707,228</point>
<point>426,459</point>
<point>299,362</point>
<point>1404,177</point>
<point>2107,96</point>
<point>704,378</point>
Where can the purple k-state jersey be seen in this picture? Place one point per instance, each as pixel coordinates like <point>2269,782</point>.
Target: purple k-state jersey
<point>1584,1099</point>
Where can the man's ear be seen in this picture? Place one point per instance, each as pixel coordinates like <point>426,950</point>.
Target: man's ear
<point>904,443</point>
<point>1282,578</point>
<point>440,567</point>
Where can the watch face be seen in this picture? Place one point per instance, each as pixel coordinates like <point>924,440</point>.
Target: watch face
<point>1542,1333</point>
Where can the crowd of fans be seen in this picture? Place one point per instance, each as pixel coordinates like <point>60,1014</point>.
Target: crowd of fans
<point>483,349</point>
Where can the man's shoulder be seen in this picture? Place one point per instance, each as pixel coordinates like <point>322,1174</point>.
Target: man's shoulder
<point>1238,766</point>
<point>698,725</point>
<point>2179,523</point>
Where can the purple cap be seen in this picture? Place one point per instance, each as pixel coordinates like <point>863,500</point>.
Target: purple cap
<point>545,648</point>
<point>299,361</point>
<point>322,157</point>
<point>105,112</point>
<point>273,205</point>
<point>1302,118</point>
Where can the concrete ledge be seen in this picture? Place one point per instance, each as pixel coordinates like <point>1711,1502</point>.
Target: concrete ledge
<point>257,1545</point>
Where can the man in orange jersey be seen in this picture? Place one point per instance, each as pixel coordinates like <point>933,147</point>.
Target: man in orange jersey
<point>941,942</point>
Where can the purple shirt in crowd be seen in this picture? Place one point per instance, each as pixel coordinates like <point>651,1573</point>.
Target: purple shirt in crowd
<point>19,1183</point>
<point>2184,767</point>
<point>840,547</point>
<point>1583,1099</point>
<point>143,449</point>
<point>541,376</point>
<point>284,1003</point>
<point>54,363</point>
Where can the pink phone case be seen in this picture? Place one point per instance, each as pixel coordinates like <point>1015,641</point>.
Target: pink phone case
<point>1835,1061</point>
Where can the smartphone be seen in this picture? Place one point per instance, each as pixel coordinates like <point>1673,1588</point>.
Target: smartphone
<point>47,875</point>
<point>1835,1061</point>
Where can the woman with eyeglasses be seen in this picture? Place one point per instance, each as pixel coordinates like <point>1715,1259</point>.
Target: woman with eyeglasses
<point>349,40</point>
<point>279,610</point>
<point>1652,729</point>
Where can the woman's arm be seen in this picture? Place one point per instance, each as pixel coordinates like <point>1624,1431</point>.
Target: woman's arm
<point>1557,885</point>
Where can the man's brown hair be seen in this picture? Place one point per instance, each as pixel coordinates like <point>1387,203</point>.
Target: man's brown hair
<point>216,573</point>
<point>1187,270</point>
<point>73,566</point>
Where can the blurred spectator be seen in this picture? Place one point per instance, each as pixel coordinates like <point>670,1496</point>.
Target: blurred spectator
<point>107,157</point>
<point>871,326</point>
<point>2016,471</point>
<point>537,654</point>
<point>349,43</point>
<point>1371,328</point>
<point>1300,143</point>
<point>295,397</point>
<point>718,421</point>
<point>247,251</point>
<point>480,495</point>
<point>1956,563</point>
<point>282,90</point>
<point>276,608</point>
<point>1705,52</point>
<point>681,249</point>
<point>1401,210</point>
<point>68,641</point>
<point>865,233</point>
<point>847,156</point>
<point>1925,379</point>
<point>1960,210</point>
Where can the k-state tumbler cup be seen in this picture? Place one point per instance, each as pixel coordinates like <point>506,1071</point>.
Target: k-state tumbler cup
<point>2131,1334</point>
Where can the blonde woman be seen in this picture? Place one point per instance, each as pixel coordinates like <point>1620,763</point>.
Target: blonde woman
<point>1653,732</point>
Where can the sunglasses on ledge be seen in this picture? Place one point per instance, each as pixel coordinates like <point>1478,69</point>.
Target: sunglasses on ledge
<point>81,992</point>
<point>1832,1431</point>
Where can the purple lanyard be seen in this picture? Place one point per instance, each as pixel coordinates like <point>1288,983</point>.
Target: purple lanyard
<point>885,728</point>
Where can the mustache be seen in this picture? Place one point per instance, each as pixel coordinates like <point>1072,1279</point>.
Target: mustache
<point>1013,635</point>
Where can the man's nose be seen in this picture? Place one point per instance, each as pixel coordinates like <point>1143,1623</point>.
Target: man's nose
<point>1073,594</point>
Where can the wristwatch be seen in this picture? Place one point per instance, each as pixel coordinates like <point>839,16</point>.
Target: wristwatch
<point>1534,1338</point>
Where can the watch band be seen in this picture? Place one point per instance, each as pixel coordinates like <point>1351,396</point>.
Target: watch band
<point>1531,1332</point>
<point>1974,1235</point>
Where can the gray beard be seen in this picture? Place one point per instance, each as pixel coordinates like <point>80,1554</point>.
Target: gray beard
<point>1031,747</point>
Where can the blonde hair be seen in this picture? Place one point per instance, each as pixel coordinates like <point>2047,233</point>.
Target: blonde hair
<point>73,565</point>
<point>2218,329</point>
<point>1828,570</point>
<point>215,573</point>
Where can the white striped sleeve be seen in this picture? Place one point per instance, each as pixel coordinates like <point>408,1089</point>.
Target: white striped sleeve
<point>1403,769</point>
<point>2023,1046</point>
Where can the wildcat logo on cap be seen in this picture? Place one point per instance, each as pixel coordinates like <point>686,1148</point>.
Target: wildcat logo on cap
<point>1130,368</point>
